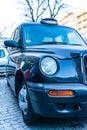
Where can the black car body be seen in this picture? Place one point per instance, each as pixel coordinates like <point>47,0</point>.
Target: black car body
<point>51,77</point>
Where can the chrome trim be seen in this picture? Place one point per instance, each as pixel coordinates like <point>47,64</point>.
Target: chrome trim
<point>83,67</point>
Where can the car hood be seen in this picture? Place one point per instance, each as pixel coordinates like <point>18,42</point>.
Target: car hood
<point>62,51</point>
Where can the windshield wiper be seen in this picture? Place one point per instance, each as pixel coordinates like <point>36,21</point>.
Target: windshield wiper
<point>60,43</point>
<point>75,44</point>
<point>57,43</point>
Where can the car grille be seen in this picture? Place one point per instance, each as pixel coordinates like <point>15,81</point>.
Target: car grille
<point>85,67</point>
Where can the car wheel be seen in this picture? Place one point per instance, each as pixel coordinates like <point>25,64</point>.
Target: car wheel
<point>25,104</point>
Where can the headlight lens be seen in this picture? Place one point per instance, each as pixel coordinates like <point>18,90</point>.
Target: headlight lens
<point>48,65</point>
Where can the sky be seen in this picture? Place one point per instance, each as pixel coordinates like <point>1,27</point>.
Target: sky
<point>9,14</point>
<point>75,5</point>
<point>6,10</point>
<point>10,11</point>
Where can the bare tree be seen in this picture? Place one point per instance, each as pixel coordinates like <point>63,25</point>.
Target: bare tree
<point>35,10</point>
<point>55,6</point>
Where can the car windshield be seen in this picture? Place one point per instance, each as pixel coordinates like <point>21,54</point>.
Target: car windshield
<point>2,53</point>
<point>38,34</point>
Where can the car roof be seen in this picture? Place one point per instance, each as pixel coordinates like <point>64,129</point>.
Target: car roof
<point>35,23</point>
<point>39,23</point>
<point>5,50</point>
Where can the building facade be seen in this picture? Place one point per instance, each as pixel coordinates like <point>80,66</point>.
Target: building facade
<point>77,20</point>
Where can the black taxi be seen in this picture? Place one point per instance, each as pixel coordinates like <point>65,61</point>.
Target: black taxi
<point>51,75</point>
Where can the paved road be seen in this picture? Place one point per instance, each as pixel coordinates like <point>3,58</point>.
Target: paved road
<point>11,118</point>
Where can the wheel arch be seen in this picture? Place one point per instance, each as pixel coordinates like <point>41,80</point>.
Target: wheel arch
<point>19,79</point>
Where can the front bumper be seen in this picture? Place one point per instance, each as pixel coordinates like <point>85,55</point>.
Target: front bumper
<point>51,106</point>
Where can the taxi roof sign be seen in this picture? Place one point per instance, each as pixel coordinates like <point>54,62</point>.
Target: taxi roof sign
<point>49,21</point>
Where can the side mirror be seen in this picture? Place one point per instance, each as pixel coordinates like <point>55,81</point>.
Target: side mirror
<point>11,43</point>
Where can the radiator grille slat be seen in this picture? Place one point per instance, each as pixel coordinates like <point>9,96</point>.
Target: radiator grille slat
<point>85,67</point>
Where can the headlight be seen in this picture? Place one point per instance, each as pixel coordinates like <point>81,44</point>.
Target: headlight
<point>48,65</point>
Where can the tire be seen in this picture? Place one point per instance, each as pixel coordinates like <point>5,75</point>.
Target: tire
<point>28,114</point>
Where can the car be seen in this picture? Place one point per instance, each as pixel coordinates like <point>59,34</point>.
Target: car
<point>7,65</point>
<point>51,76</point>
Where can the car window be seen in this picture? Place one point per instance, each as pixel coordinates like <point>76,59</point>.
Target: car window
<point>73,38</point>
<point>15,35</point>
<point>2,53</point>
<point>40,34</point>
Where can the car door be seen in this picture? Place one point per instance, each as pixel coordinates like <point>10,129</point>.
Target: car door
<point>13,58</point>
<point>11,67</point>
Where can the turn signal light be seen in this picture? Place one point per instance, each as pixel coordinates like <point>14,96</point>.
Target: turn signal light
<point>17,62</point>
<point>62,93</point>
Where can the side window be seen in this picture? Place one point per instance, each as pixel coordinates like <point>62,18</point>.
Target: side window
<point>16,35</point>
<point>2,53</point>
